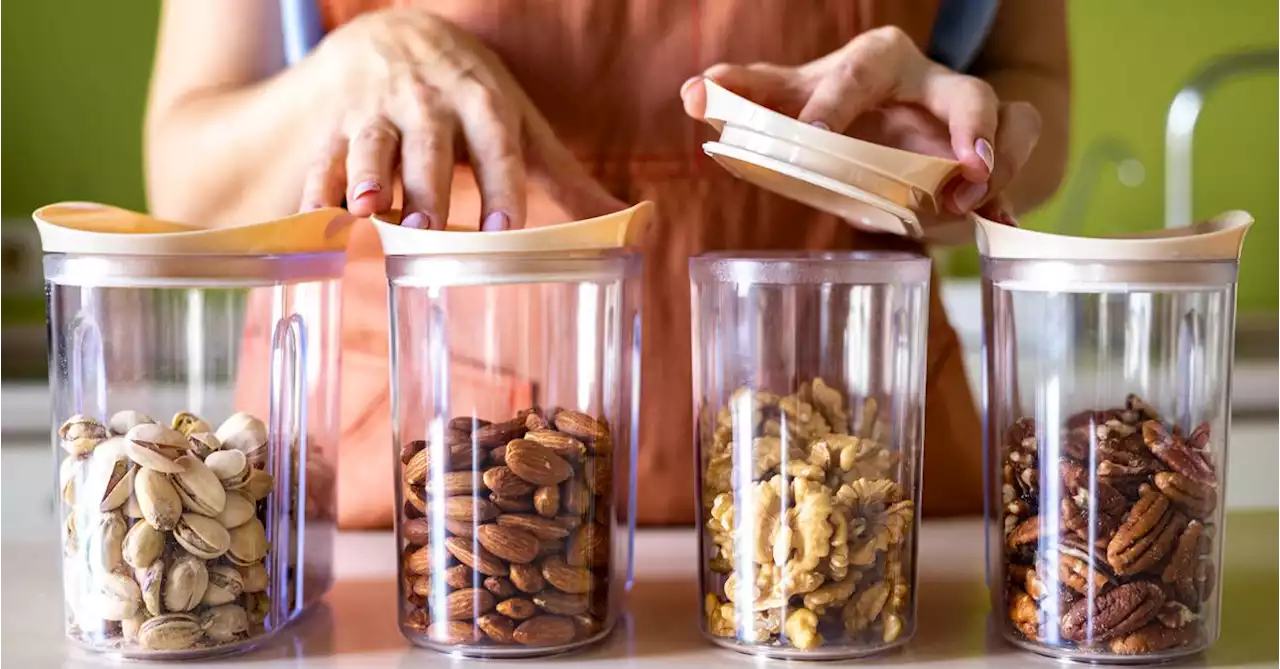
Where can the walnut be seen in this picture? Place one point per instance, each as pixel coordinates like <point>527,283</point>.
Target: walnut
<point>799,469</point>
<point>767,500</point>
<point>719,617</point>
<point>865,607</point>
<point>838,561</point>
<point>767,591</point>
<point>802,629</point>
<point>721,528</point>
<point>813,508</point>
<point>766,455</point>
<point>830,403</point>
<point>865,491</point>
<point>863,458</point>
<point>832,594</point>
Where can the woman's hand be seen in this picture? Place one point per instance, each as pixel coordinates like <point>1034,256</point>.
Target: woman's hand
<point>880,87</point>
<point>417,90</point>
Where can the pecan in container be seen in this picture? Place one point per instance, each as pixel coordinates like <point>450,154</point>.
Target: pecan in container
<point>809,489</point>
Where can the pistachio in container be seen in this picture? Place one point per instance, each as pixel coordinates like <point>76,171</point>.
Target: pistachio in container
<point>513,363</point>
<point>1108,367</point>
<point>193,375</point>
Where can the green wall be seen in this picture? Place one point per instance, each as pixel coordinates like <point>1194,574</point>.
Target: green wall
<point>74,76</point>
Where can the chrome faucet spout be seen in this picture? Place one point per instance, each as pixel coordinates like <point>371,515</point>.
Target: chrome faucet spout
<point>1180,125</point>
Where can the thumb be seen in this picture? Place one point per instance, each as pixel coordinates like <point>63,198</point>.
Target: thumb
<point>761,83</point>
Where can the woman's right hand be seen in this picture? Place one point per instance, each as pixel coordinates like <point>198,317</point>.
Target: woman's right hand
<point>412,86</point>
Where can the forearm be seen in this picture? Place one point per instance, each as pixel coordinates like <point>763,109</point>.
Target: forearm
<point>1046,168</point>
<point>226,155</point>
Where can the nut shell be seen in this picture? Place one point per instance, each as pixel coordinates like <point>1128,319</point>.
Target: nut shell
<point>157,498</point>
<point>199,488</point>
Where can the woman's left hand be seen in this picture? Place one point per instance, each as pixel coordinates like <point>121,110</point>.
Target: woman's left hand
<point>881,88</point>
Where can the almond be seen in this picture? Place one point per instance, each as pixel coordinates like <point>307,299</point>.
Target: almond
<point>466,424</point>
<point>419,561</point>
<point>587,625</point>
<point>498,456</point>
<point>415,531</point>
<point>509,543</point>
<point>460,528</point>
<point>602,514</point>
<point>460,576</point>
<point>455,632</point>
<point>542,528</point>
<point>527,578</point>
<point>470,509</point>
<point>535,421</point>
<point>501,587</point>
<point>497,434</point>
<point>503,481</point>
<point>574,580</point>
<point>410,449</point>
<point>545,631</point>
<point>416,620</point>
<point>512,504</point>
<point>581,425</point>
<point>497,627</point>
<point>468,603</point>
<point>413,497</point>
<point>560,443</point>
<point>475,557</point>
<point>536,463</point>
<point>546,500</point>
<point>551,546</point>
<point>574,497</point>
<point>517,608</point>
<point>422,586</point>
<point>464,482</point>
<point>598,472</point>
<point>415,470</point>
<point>589,547</point>
<point>456,439</point>
<point>569,522</point>
<point>561,603</point>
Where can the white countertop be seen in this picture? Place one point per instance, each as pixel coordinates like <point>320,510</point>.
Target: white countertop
<point>356,626</point>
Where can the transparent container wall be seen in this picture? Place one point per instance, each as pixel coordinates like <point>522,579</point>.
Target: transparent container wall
<point>1107,435</point>
<point>195,421</point>
<point>514,410</point>
<point>809,392</point>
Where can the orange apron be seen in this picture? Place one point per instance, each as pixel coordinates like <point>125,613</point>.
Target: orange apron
<point>606,75</point>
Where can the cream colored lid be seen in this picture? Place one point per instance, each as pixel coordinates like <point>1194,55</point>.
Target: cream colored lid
<point>616,230</point>
<point>823,168</point>
<point>1219,238</point>
<point>99,229</point>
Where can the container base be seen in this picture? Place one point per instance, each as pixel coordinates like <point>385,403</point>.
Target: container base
<point>504,652</point>
<point>815,654</point>
<point>135,653</point>
<point>1081,656</point>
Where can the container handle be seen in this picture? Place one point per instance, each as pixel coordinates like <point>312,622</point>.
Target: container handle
<point>287,424</point>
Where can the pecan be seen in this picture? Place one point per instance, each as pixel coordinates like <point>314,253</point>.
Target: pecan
<point>1025,532</point>
<point>1115,612</point>
<point>1152,638</point>
<point>1199,437</point>
<point>1137,404</point>
<point>1146,536</point>
<point>1196,498</point>
<point>1076,516</point>
<point>1177,454</point>
<point>1175,614</point>
<point>1074,572</point>
<point>1024,613</point>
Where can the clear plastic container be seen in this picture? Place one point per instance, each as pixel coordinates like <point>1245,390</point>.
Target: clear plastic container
<point>513,392</point>
<point>195,419</point>
<point>809,376</point>
<point>1108,405</point>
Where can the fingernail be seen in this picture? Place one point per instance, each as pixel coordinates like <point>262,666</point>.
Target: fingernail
<point>968,195</point>
<point>684,88</point>
<point>820,125</point>
<point>983,148</point>
<point>495,222</point>
<point>364,188</point>
<point>416,221</point>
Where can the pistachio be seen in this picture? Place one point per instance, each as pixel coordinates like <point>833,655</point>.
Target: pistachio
<point>116,597</point>
<point>104,472</point>
<point>177,631</point>
<point>203,536</point>
<point>131,508</point>
<point>257,604</point>
<point>143,544</point>
<point>224,623</point>
<point>258,485</point>
<point>199,488</point>
<point>231,467</point>
<point>184,583</point>
<point>155,447</point>
<point>203,443</point>
<point>130,626</point>
<point>106,544</point>
<point>81,434</point>
<point>237,510</point>
<point>188,423</point>
<point>225,585</point>
<point>68,471</point>
<point>255,577</point>
<point>247,434</point>
<point>122,421</point>
<point>150,579</point>
<point>157,498</point>
<point>248,543</point>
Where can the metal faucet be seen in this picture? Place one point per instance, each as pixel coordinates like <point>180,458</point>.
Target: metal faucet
<point>1181,125</point>
<point>1080,191</point>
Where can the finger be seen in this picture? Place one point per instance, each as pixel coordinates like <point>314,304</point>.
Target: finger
<point>1015,140</point>
<point>491,127</point>
<point>970,109</point>
<point>761,83</point>
<point>868,71</point>
<point>326,178</point>
<point>1000,210</point>
<point>426,170</point>
<point>371,159</point>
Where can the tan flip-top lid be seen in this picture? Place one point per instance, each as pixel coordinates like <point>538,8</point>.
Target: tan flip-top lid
<point>1219,238</point>
<point>99,229</point>
<point>877,187</point>
<point>616,230</point>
